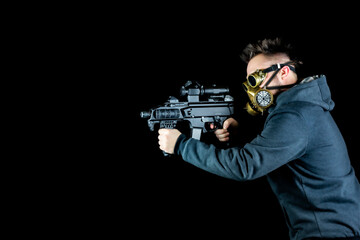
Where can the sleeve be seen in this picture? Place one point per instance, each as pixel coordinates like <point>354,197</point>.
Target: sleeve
<point>283,139</point>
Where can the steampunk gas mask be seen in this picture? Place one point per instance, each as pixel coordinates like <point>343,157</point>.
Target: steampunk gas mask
<point>262,98</point>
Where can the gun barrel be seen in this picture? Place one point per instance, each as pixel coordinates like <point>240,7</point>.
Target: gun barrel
<point>145,114</point>
<point>216,91</point>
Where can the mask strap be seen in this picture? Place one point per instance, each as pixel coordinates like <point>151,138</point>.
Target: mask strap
<point>271,78</point>
<point>280,87</point>
<point>277,67</point>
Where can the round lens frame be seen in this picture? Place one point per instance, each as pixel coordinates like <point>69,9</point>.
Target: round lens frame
<point>256,78</point>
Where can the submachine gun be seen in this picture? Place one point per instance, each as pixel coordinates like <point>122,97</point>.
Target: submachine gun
<point>204,106</point>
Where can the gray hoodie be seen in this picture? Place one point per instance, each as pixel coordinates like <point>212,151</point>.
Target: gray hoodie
<point>304,157</point>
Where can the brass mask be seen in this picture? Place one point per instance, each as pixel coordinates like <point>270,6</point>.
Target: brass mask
<point>262,98</point>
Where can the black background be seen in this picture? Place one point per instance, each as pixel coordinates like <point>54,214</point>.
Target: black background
<point>145,58</point>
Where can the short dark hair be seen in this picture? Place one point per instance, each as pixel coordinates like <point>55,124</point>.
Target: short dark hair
<point>267,47</point>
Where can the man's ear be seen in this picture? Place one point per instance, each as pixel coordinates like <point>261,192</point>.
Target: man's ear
<point>284,72</point>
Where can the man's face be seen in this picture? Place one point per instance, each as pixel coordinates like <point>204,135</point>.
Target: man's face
<point>262,62</point>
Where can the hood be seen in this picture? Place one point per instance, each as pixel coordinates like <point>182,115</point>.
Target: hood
<point>314,90</point>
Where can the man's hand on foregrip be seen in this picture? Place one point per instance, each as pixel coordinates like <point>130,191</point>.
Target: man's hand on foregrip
<point>167,139</point>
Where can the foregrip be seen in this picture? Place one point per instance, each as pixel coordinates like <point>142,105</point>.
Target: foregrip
<point>169,124</point>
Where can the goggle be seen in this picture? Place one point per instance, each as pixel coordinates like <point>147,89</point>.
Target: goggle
<point>257,77</point>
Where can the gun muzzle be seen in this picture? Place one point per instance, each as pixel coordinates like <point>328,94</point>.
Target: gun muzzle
<point>145,114</point>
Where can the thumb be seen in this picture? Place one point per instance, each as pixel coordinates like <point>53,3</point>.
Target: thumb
<point>230,122</point>
<point>226,124</point>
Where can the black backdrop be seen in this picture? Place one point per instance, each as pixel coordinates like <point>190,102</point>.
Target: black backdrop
<point>148,57</point>
<point>176,196</point>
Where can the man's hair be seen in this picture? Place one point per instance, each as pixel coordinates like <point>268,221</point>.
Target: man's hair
<point>268,47</point>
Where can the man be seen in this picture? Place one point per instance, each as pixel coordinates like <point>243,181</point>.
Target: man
<point>300,149</point>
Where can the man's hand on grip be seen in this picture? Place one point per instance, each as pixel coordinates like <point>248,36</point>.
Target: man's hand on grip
<point>224,134</point>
